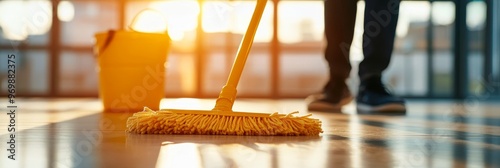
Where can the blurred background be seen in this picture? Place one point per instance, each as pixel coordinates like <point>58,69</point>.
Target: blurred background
<point>444,48</point>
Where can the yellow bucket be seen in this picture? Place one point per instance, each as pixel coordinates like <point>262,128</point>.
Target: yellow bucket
<point>131,69</point>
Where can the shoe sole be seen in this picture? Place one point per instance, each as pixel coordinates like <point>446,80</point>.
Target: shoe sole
<point>323,106</point>
<point>393,107</point>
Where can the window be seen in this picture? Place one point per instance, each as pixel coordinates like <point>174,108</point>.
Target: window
<point>56,58</point>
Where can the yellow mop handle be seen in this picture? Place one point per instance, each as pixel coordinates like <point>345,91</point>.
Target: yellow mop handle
<point>228,92</point>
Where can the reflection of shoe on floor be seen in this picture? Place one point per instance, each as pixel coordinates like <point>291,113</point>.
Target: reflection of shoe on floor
<point>330,102</point>
<point>373,97</point>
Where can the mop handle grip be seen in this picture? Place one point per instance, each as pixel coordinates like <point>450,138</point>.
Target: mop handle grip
<point>228,92</point>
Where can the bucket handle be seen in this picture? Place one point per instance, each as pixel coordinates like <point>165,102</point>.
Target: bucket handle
<point>134,20</point>
<point>111,33</point>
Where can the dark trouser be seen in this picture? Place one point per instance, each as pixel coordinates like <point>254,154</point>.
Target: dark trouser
<point>380,21</point>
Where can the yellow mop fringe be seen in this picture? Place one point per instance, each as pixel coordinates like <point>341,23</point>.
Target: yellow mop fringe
<point>170,122</point>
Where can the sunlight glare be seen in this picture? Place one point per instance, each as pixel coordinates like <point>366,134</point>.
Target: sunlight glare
<point>476,15</point>
<point>181,17</point>
<point>406,17</point>
<point>217,17</point>
<point>65,11</point>
<point>296,27</point>
<point>179,155</point>
<point>184,103</point>
<point>18,19</point>
<point>149,21</point>
<point>443,13</point>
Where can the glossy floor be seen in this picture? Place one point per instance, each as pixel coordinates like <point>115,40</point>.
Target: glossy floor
<point>76,133</point>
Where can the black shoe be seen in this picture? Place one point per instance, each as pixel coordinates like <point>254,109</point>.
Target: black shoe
<point>374,97</point>
<point>332,101</point>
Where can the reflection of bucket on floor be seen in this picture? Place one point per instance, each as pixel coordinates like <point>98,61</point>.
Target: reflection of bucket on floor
<point>131,69</point>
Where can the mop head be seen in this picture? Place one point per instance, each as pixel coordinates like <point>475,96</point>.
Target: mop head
<point>215,123</point>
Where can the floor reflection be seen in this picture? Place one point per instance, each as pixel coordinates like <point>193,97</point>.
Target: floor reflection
<point>86,138</point>
<point>228,151</point>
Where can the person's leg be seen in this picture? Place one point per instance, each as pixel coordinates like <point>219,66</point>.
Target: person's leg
<point>340,16</point>
<point>380,22</point>
<point>381,17</point>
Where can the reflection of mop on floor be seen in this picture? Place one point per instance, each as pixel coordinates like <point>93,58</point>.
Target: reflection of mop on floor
<point>222,120</point>
<point>216,150</point>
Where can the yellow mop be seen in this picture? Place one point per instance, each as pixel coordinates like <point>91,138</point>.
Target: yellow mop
<point>222,120</point>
